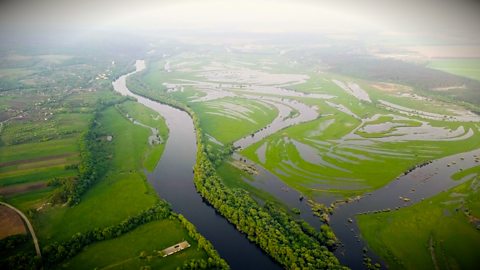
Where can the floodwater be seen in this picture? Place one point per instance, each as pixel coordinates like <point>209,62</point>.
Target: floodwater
<point>267,181</point>
<point>421,183</point>
<point>173,181</point>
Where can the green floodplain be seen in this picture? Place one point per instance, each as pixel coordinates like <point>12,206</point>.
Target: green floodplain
<point>74,154</point>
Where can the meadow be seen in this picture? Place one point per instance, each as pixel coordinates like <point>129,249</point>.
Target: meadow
<point>355,145</point>
<point>438,233</point>
<point>238,117</point>
<point>469,68</point>
<point>139,248</point>
<point>41,142</point>
<point>121,193</point>
<point>327,133</point>
<point>331,154</point>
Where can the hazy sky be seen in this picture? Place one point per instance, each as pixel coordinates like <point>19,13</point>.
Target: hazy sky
<point>442,17</point>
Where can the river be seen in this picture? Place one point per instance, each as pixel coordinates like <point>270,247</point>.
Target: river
<point>173,181</point>
<point>173,176</point>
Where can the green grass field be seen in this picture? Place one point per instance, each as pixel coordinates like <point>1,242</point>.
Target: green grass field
<point>30,200</point>
<point>469,68</point>
<point>438,233</point>
<point>151,119</point>
<point>126,249</point>
<point>38,149</point>
<point>122,193</point>
<point>238,117</point>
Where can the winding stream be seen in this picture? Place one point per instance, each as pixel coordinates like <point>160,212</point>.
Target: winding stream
<point>173,181</point>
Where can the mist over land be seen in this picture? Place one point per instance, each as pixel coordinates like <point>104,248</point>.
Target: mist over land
<point>239,134</point>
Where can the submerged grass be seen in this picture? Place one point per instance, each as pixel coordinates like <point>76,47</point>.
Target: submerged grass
<point>438,233</point>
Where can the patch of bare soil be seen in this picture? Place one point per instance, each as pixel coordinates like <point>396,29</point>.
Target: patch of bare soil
<point>10,223</point>
<point>24,161</point>
<point>391,87</point>
<point>21,188</point>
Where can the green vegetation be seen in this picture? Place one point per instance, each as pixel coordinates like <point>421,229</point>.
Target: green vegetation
<point>288,242</point>
<point>138,248</point>
<point>270,228</point>
<point>234,178</point>
<point>345,169</point>
<point>81,142</point>
<point>123,190</point>
<point>76,153</point>
<point>137,112</point>
<point>57,252</point>
<point>438,233</point>
<point>113,203</point>
<point>469,68</point>
<point>238,117</point>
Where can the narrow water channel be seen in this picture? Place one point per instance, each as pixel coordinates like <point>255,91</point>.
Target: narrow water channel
<point>173,181</point>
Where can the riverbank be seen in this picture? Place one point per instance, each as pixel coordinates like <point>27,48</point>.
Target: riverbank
<point>173,180</point>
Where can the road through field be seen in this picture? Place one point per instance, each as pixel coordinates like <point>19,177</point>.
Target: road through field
<point>29,226</point>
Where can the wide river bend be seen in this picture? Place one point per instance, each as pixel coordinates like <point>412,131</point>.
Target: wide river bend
<point>173,181</point>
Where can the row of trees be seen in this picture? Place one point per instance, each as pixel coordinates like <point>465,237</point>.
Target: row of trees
<point>13,241</point>
<point>270,228</point>
<point>214,260</point>
<point>54,253</point>
<point>293,245</point>
<point>57,252</point>
<point>94,156</point>
<point>94,164</point>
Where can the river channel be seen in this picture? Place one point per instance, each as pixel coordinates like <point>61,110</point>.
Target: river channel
<point>173,181</point>
<point>173,176</point>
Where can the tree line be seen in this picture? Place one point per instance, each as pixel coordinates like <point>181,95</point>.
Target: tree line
<point>57,252</point>
<point>94,160</point>
<point>214,260</point>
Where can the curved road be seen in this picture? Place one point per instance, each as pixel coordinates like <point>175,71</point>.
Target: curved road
<point>29,225</point>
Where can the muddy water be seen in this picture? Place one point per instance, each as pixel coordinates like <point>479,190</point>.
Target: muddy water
<point>173,181</point>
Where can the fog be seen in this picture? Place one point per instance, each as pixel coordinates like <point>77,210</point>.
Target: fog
<point>458,18</point>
